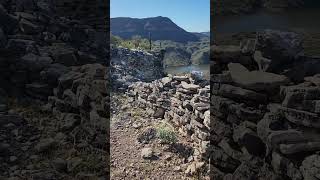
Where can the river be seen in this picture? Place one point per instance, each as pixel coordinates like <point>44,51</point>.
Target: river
<point>204,68</point>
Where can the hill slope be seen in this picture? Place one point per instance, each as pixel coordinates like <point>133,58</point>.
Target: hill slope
<point>161,28</point>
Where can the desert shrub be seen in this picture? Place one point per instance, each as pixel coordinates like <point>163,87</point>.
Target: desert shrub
<point>166,134</point>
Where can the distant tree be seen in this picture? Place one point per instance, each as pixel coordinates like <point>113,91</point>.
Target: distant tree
<point>136,40</point>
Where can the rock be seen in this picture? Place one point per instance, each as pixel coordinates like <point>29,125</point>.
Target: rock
<point>166,81</point>
<point>45,144</point>
<point>36,90</point>
<point>4,149</point>
<point>190,87</point>
<point>310,167</point>
<point>28,27</point>
<point>64,56</point>
<point>235,93</point>
<point>74,163</point>
<point>299,117</point>
<point>247,46</point>
<point>20,46</point>
<point>60,164</point>
<point>281,47</point>
<point>71,121</point>
<point>283,166</point>
<point>263,63</point>
<point>8,22</point>
<point>3,39</point>
<point>256,80</point>
<point>314,79</point>
<point>147,135</point>
<point>159,113</point>
<point>194,167</point>
<point>13,159</point>
<point>53,72</point>
<point>299,147</point>
<point>147,153</point>
<point>35,63</point>
<point>250,140</point>
<point>181,78</point>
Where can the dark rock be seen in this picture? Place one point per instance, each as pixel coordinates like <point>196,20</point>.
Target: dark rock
<point>233,92</point>
<point>45,145</point>
<point>284,166</point>
<point>28,27</point>
<point>146,136</point>
<point>280,47</point>
<point>159,113</point>
<point>53,72</point>
<point>3,39</point>
<point>19,46</point>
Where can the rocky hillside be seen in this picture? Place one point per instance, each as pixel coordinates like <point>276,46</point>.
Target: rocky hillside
<point>161,28</point>
<point>264,116</point>
<point>179,54</point>
<point>128,66</point>
<point>53,93</point>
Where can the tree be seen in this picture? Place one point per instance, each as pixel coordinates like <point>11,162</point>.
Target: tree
<point>136,40</point>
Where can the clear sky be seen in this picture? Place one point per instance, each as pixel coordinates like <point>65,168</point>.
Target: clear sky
<point>191,15</point>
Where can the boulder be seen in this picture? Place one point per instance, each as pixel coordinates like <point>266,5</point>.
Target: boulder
<point>256,80</point>
<point>280,47</point>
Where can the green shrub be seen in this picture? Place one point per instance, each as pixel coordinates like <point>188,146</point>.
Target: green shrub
<point>166,134</point>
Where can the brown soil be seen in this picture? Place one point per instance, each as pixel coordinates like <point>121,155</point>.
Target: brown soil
<point>169,162</point>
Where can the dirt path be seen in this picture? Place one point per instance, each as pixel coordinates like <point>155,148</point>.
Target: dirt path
<point>169,161</point>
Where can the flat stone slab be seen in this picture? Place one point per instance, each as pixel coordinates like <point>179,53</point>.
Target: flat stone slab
<point>256,80</point>
<point>300,117</point>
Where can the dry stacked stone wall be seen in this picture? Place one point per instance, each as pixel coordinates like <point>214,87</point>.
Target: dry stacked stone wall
<point>183,101</point>
<point>264,109</point>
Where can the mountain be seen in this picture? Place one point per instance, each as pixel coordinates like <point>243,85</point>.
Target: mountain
<point>161,28</point>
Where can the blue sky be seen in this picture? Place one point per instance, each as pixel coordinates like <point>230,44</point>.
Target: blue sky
<point>191,15</point>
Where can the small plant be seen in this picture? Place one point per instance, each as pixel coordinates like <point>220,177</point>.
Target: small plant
<point>166,134</point>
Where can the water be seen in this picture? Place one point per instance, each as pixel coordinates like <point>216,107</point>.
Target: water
<point>306,20</point>
<point>178,70</point>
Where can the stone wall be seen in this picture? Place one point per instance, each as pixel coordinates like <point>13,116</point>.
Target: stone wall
<point>264,117</point>
<point>184,102</point>
<point>38,45</point>
<point>91,12</point>
<point>50,56</point>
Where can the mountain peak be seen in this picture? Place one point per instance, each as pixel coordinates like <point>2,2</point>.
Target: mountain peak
<point>161,28</point>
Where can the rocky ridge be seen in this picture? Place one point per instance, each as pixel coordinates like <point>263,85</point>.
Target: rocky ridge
<point>264,116</point>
